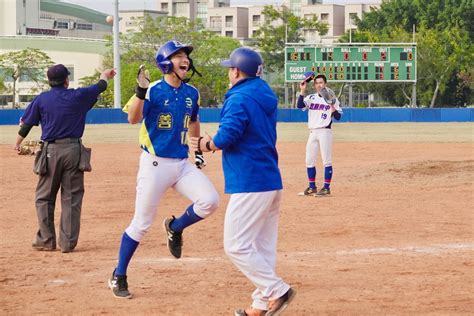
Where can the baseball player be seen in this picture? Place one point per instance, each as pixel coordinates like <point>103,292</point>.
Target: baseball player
<point>247,138</point>
<point>322,107</point>
<point>169,110</point>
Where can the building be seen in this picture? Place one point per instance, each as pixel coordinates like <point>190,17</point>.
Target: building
<point>69,34</point>
<point>129,18</point>
<point>229,22</point>
<point>74,35</point>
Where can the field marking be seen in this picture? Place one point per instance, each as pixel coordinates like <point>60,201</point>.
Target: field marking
<point>408,250</point>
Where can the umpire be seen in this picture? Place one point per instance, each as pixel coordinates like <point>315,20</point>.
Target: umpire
<point>62,114</point>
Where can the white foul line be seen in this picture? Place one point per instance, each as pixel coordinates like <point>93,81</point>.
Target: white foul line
<point>430,250</point>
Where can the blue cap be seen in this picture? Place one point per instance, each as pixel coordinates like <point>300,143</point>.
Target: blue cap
<point>308,76</point>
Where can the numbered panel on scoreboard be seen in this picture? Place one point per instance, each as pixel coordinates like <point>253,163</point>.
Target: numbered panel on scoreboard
<point>354,64</point>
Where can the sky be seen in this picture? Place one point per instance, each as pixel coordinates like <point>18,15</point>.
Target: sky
<point>106,6</point>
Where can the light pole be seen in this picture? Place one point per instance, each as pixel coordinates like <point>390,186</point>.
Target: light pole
<point>116,35</point>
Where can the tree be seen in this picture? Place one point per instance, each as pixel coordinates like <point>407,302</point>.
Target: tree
<point>444,42</point>
<point>30,64</point>
<point>441,55</point>
<point>140,47</point>
<point>281,26</point>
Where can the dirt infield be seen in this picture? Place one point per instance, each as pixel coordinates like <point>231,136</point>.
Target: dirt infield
<point>395,237</point>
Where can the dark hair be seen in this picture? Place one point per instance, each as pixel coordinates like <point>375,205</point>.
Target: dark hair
<point>54,84</point>
<point>57,75</point>
<point>321,76</point>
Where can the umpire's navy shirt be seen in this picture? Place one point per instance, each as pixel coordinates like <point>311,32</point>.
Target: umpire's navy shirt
<point>61,111</point>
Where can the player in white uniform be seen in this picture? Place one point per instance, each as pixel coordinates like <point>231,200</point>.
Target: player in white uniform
<point>169,109</point>
<point>321,110</point>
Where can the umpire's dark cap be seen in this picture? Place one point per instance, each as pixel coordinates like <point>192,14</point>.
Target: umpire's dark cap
<point>58,73</point>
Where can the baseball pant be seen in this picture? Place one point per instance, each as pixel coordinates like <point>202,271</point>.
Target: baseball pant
<point>62,160</point>
<point>155,176</point>
<point>250,241</point>
<point>320,138</point>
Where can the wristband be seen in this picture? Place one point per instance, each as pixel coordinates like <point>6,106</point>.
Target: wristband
<point>208,145</point>
<point>140,92</point>
<point>199,144</point>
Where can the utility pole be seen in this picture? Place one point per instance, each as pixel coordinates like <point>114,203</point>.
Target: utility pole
<point>116,34</point>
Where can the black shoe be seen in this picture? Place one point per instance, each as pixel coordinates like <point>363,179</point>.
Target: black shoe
<point>39,247</point>
<point>174,239</point>
<point>119,286</point>
<point>308,192</point>
<point>323,192</point>
<point>280,304</point>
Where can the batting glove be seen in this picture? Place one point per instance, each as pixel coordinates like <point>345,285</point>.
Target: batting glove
<point>199,159</point>
<point>143,77</point>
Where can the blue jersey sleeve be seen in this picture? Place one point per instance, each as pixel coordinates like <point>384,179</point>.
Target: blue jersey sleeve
<point>234,120</point>
<point>32,113</point>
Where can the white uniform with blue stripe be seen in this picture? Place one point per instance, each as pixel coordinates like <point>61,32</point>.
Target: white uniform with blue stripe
<point>167,112</point>
<point>320,132</point>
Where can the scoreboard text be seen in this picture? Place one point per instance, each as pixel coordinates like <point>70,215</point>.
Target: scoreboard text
<point>352,63</point>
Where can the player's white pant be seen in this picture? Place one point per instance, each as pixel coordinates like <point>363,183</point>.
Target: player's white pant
<point>155,176</point>
<point>319,138</point>
<point>250,241</point>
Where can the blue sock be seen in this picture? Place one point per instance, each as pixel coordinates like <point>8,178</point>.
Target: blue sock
<point>327,176</point>
<point>188,218</point>
<point>127,248</point>
<point>312,177</point>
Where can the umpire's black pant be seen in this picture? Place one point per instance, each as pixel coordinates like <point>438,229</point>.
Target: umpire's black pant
<point>63,159</point>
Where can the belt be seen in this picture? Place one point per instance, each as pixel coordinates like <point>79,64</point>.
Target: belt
<point>64,141</point>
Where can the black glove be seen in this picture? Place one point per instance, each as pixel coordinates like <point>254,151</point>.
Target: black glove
<point>199,159</point>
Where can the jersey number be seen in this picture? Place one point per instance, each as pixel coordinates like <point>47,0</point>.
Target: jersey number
<point>323,116</point>
<point>184,139</point>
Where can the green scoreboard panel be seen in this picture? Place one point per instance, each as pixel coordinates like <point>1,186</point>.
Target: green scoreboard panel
<point>352,63</point>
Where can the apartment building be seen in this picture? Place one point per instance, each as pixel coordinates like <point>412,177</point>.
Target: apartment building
<point>229,22</point>
<point>191,9</point>
<point>354,11</point>
<point>129,19</point>
<point>226,20</point>
<point>330,14</point>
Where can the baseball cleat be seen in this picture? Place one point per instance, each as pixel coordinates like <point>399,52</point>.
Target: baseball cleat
<point>323,192</point>
<point>119,286</point>
<point>308,192</point>
<point>37,246</point>
<point>276,307</point>
<point>250,312</point>
<point>174,239</point>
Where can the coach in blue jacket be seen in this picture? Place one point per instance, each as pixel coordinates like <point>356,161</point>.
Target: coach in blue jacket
<point>247,138</point>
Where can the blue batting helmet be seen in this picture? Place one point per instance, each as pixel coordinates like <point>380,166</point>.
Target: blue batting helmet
<point>247,60</point>
<point>164,53</point>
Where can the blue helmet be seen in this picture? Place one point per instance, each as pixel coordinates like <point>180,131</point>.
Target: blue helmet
<point>164,53</point>
<point>247,60</point>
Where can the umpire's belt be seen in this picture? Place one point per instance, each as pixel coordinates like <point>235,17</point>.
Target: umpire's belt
<point>64,141</point>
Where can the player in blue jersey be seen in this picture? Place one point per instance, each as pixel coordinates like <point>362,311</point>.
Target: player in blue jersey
<point>168,110</point>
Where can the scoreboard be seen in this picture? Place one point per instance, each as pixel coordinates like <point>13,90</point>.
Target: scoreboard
<point>352,63</point>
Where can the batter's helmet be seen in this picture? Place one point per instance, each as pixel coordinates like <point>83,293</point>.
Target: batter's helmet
<point>164,53</point>
<point>247,60</point>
